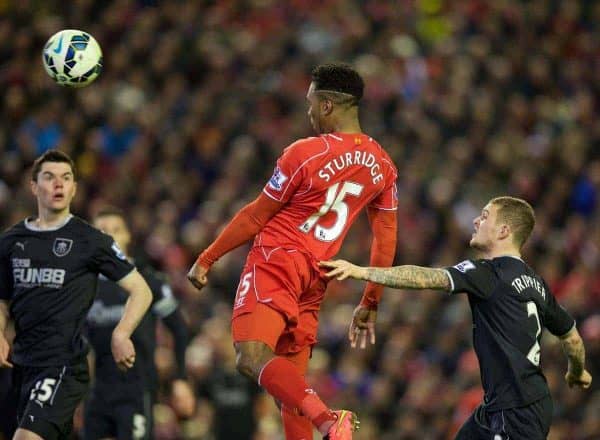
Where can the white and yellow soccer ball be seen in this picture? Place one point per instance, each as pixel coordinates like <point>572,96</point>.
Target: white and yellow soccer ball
<point>72,58</point>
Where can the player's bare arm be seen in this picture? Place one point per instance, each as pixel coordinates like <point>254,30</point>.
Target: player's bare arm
<point>399,277</point>
<point>573,347</point>
<point>4,347</point>
<point>140,298</point>
<point>410,277</point>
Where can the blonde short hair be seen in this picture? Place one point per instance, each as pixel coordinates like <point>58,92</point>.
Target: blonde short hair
<point>517,214</point>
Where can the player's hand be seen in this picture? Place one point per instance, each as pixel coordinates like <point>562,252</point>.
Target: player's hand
<point>123,350</point>
<point>197,276</point>
<point>584,380</point>
<point>342,269</point>
<point>4,353</point>
<point>362,327</point>
<point>183,399</point>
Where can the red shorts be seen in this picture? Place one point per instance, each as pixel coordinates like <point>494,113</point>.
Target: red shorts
<point>288,282</point>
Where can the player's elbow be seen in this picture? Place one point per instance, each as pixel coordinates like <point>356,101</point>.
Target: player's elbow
<point>137,286</point>
<point>146,295</point>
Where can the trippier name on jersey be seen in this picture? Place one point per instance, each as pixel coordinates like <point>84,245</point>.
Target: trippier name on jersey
<point>522,282</point>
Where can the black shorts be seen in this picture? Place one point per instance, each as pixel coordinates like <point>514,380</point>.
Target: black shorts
<point>48,396</point>
<point>118,411</point>
<point>531,422</point>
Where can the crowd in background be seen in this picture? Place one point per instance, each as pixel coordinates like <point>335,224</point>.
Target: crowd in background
<point>471,99</point>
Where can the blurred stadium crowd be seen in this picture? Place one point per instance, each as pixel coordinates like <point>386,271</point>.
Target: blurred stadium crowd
<point>471,98</point>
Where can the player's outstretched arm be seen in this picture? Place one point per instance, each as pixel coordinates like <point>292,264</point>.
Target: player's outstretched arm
<point>140,298</point>
<point>4,347</point>
<point>399,277</point>
<point>243,227</point>
<point>573,347</point>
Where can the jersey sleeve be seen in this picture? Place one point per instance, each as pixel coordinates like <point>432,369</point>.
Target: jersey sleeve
<point>288,173</point>
<point>163,301</point>
<point>475,278</point>
<point>387,199</point>
<point>165,306</point>
<point>556,319</point>
<point>108,259</point>
<point>6,278</point>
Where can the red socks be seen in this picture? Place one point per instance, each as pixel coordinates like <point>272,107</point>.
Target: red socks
<point>283,381</point>
<point>295,425</point>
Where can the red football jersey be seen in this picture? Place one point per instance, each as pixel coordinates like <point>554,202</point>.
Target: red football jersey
<point>324,183</point>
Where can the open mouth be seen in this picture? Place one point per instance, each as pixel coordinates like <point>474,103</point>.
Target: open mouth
<point>58,197</point>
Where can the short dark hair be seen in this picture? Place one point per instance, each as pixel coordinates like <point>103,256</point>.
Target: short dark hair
<point>51,156</point>
<point>516,213</point>
<point>110,211</point>
<point>340,78</point>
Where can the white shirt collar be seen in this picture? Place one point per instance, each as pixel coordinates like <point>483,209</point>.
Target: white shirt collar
<point>32,227</point>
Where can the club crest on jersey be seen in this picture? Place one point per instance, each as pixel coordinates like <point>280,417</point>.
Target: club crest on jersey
<point>62,246</point>
<point>464,266</point>
<point>277,179</point>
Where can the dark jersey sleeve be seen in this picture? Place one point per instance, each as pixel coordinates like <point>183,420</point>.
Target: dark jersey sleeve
<point>165,306</point>
<point>108,259</point>
<point>476,278</point>
<point>176,325</point>
<point>163,301</point>
<point>6,279</point>
<point>556,319</point>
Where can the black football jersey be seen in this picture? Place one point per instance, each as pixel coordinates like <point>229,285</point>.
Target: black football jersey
<point>511,305</point>
<point>49,277</point>
<point>103,317</point>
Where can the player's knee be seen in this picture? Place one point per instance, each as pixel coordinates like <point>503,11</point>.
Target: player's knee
<point>251,357</point>
<point>25,434</point>
<point>245,366</point>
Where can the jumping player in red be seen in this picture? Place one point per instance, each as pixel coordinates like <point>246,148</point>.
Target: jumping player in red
<point>319,186</point>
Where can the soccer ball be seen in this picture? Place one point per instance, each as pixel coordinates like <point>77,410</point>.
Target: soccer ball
<point>72,58</point>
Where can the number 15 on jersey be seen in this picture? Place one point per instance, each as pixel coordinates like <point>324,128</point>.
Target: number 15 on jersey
<point>334,201</point>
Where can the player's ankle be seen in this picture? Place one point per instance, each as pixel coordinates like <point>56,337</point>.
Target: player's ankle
<point>324,421</point>
<point>318,413</point>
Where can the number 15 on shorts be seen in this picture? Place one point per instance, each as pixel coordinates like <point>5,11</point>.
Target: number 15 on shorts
<point>240,297</point>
